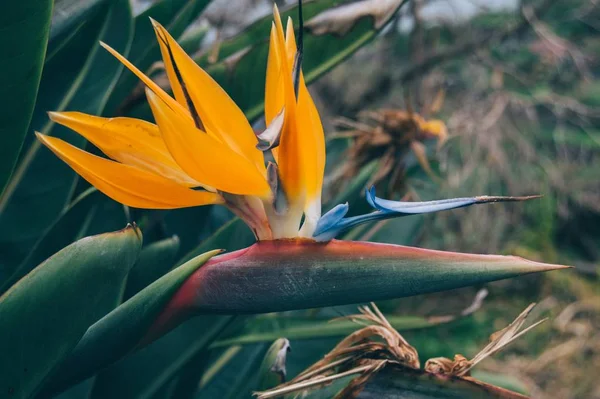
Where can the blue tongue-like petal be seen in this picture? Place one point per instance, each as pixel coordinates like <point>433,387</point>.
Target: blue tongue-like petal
<point>334,222</point>
<point>332,217</point>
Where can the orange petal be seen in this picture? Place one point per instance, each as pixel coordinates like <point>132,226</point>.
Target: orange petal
<point>127,184</point>
<point>288,156</point>
<point>130,141</point>
<point>290,41</point>
<point>204,158</point>
<point>194,88</point>
<point>181,111</point>
<point>274,92</point>
<point>312,143</point>
<point>312,139</point>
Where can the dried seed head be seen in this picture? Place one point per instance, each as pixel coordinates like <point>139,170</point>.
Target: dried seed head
<point>388,136</point>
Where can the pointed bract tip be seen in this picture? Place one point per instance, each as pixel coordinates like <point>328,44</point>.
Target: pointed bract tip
<point>541,266</point>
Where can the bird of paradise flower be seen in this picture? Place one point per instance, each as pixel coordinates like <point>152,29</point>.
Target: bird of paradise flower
<point>201,151</point>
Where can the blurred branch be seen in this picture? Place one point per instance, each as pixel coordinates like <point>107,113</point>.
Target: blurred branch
<point>470,45</point>
<point>556,44</point>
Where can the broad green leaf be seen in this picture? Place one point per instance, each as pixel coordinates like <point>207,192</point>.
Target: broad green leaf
<point>191,225</point>
<point>67,14</point>
<point>79,77</point>
<point>237,377</point>
<point>145,373</point>
<point>70,226</point>
<point>192,38</point>
<point>23,39</point>
<point>126,327</point>
<point>155,260</point>
<point>47,312</point>
<point>419,384</point>
<point>186,383</point>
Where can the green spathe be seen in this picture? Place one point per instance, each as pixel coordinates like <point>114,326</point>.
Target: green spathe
<point>280,275</point>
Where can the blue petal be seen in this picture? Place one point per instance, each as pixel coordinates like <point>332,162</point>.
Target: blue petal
<point>402,208</point>
<point>345,223</point>
<point>334,221</point>
<point>331,218</point>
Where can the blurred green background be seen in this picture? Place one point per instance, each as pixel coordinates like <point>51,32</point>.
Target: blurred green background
<point>522,92</point>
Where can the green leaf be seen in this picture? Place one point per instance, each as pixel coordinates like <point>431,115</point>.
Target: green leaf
<point>236,377</point>
<point>144,373</point>
<point>123,329</point>
<point>48,311</point>
<point>505,381</point>
<point>155,260</point>
<point>177,221</point>
<point>266,328</point>
<point>419,384</point>
<point>67,14</point>
<point>79,77</point>
<point>70,226</point>
<point>192,38</point>
<point>24,35</point>
<point>273,276</point>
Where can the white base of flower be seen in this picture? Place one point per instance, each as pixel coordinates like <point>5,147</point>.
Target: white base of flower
<point>312,214</point>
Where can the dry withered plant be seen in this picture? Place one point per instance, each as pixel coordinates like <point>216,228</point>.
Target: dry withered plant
<point>389,135</point>
<point>378,346</point>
